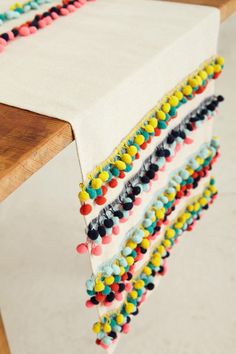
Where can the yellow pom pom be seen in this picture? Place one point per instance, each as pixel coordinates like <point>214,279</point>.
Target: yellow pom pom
<point>207,193</point>
<point>99,286</point>
<point>203,74</point>
<point>199,80</point>
<point>133,294</point>
<point>145,243</point>
<point>199,160</point>
<point>179,95</point>
<point>104,175</point>
<point>217,68</point>
<point>132,150</point>
<point>159,214</point>
<point>96,183</point>
<point>209,69</point>
<point>109,280</point>
<point>171,196</point>
<point>156,261</point>
<point>107,328</point>
<point>203,201</point>
<point>129,307</point>
<point>97,327</point>
<point>131,244</point>
<point>220,60</point>
<point>190,208</point>
<point>166,243</point>
<point>173,101</point>
<point>130,260</point>
<point>122,270</point>
<point>161,115</point>
<point>166,107</point>
<point>187,90</point>
<point>197,206</point>
<point>139,284</point>
<point>83,196</point>
<point>126,158</point>
<point>120,319</point>
<point>149,128</point>
<point>139,139</point>
<point>161,250</point>
<point>193,83</point>
<point>120,165</point>
<point>213,189</point>
<point>170,233</point>
<point>153,122</point>
<point>147,271</point>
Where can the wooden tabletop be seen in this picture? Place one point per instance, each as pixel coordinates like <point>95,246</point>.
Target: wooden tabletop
<point>29,140</point>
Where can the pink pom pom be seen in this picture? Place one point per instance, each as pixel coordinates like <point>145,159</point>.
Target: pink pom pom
<point>42,23</point>
<point>169,158</point>
<point>123,220</point>
<point>104,346</point>
<point>77,4</point>
<point>64,11</point>
<point>54,15</point>
<point>71,8</point>
<point>32,29</point>
<point>188,141</point>
<point>132,269</point>
<point>125,328</point>
<point>48,20</point>
<point>176,241</point>
<point>89,304</point>
<point>138,201</point>
<point>3,42</point>
<point>24,31</point>
<point>11,35</point>
<point>177,148</point>
<point>97,251</point>
<point>106,240</point>
<point>155,177</point>
<point>107,303</point>
<point>128,287</point>
<point>119,296</point>
<point>2,47</point>
<point>115,230</point>
<point>82,2</point>
<point>139,257</point>
<point>163,168</point>
<point>82,248</point>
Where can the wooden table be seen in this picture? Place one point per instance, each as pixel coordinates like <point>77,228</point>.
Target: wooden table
<point>29,140</point>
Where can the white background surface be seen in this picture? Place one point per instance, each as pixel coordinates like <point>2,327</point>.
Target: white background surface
<point>42,279</point>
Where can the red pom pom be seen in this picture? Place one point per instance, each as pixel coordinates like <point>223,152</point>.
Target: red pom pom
<point>98,341</point>
<point>82,248</point>
<point>143,146</point>
<point>137,156</point>
<point>100,200</point>
<point>85,209</point>
<point>104,190</point>
<point>115,287</point>
<point>100,297</point>
<point>157,131</point>
<point>122,174</point>
<point>113,183</point>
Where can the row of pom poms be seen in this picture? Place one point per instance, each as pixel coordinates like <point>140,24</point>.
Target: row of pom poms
<point>119,165</point>
<point>108,285</point>
<point>41,21</point>
<point>112,324</point>
<point>18,9</point>
<point>101,233</point>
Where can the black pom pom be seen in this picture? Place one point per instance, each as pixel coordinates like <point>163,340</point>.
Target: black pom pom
<point>170,139</point>
<point>129,276</point>
<point>220,98</point>
<point>145,179</point>
<point>128,206</point>
<point>150,286</point>
<point>154,167</point>
<point>135,312</point>
<point>143,250</point>
<point>110,297</point>
<point>15,32</point>
<point>94,300</point>
<point>101,231</point>
<point>128,319</point>
<point>113,335</point>
<point>93,234</point>
<point>121,287</point>
<point>5,36</point>
<point>108,223</point>
<point>153,273</point>
<point>136,190</point>
<point>160,153</point>
<point>131,196</point>
<point>189,126</point>
<point>175,133</point>
<point>166,152</point>
<point>204,111</point>
<point>119,214</point>
<point>167,255</point>
<point>150,174</point>
<point>161,269</point>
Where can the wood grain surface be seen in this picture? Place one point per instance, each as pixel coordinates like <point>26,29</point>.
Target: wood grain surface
<point>226,7</point>
<point>4,347</point>
<point>27,142</point>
